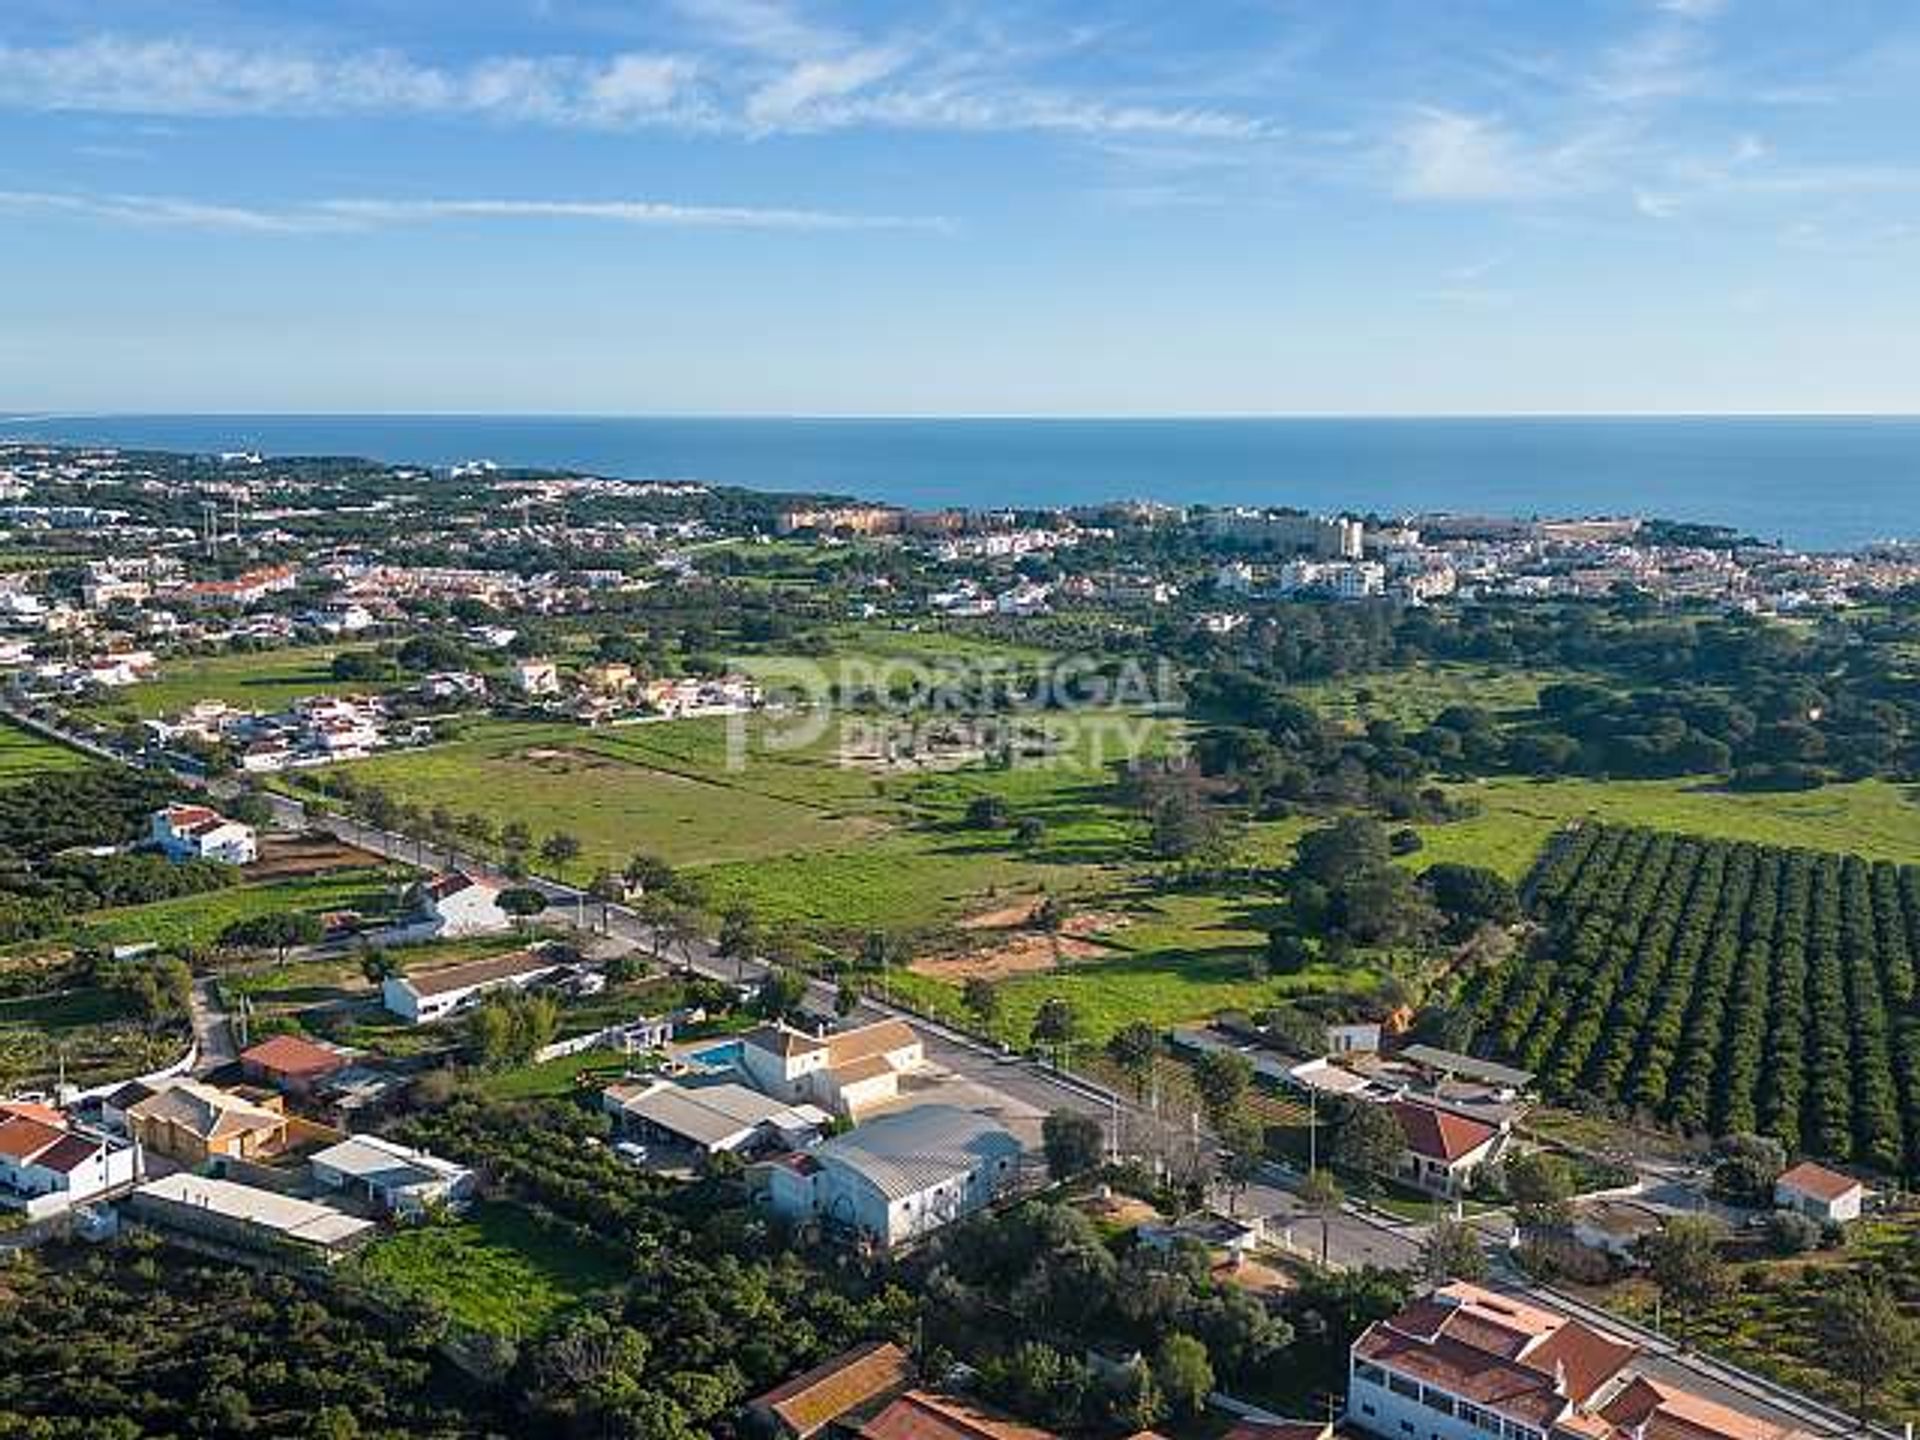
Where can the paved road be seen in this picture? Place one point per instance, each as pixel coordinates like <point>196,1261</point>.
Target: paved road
<point>212,1029</point>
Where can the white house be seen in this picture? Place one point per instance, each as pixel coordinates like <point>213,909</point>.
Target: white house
<point>1442,1149</point>
<point>715,1118</point>
<point>392,1176</point>
<point>454,905</point>
<point>1820,1194</point>
<point>428,995</point>
<point>536,677</point>
<point>1467,1363</point>
<point>1358,1038</point>
<point>845,1072</point>
<point>896,1178</point>
<point>45,1167</point>
<point>196,832</point>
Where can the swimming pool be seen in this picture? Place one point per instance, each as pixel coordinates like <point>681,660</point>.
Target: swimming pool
<point>718,1056</point>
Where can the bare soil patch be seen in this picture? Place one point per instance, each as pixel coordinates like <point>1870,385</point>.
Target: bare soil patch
<point>290,857</point>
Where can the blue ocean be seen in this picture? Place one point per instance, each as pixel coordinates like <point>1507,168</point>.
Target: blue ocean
<point>1815,482</point>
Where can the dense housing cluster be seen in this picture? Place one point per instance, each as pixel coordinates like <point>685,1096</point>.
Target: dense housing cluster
<point>1724,987</point>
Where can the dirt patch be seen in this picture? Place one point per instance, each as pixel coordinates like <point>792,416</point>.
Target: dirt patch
<point>1022,954</point>
<point>1020,913</point>
<point>290,858</point>
<point>567,762</point>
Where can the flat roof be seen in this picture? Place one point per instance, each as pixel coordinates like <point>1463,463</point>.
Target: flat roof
<point>377,1161</point>
<point>300,1220</point>
<point>1454,1063</point>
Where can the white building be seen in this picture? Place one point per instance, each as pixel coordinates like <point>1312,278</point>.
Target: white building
<point>1467,1363</point>
<point>534,678</point>
<point>195,832</point>
<point>715,1118</point>
<point>1358,1038</point>
<point>400,1180</point>
<point>455,905</point>
<point>47,1166</point>
<point>428,995</point>
<point>1442,1149</point>
<point>897,1178</point>
<point>1820,1194</point>
<point>845,1072</point>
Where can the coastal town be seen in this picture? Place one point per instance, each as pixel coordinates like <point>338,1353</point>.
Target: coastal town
<point>431,885</point>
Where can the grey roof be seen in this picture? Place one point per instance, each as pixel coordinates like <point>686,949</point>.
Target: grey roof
<point>909,1151</point>
<point>386,1165</point>
<point>708,1114</point>
<point>296,1219</point>
<point>1467,1065</point>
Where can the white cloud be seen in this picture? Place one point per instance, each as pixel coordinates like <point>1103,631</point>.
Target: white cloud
<point>334,216</point>
<point>1447,155</point>
<point>778,75</point>
<point>171,77</point>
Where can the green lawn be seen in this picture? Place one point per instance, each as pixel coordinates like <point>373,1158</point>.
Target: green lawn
<point>25,756</point>
<point>258,680</point>
<point>1414,696</point>
<point>495,1269</point>
<point>551,1078</point>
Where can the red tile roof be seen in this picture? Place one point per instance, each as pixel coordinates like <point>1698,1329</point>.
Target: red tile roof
<point>809,1402</point>
<point>1818,1181</point>
<point>1440,1134</point>
<point>293,1055</point>
<point>22,1137</point>
<point>918,1415</point>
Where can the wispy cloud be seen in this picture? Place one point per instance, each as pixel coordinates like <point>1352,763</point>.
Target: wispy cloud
<point>334,216</point>
<point>752,69</point>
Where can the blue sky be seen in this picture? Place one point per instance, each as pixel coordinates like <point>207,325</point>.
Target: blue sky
<point>986,206</point>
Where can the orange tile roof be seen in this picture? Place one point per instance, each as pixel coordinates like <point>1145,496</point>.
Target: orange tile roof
<point>1440,1134</point>
<point>1818,1181</point>
<point>918,1415</point>
<point>293,1055</point>
<point>809,1402</point>
<point>32,1110</point>
<point>23,1137</point>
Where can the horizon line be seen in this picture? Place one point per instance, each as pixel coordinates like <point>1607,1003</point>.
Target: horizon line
<point>44,417</point>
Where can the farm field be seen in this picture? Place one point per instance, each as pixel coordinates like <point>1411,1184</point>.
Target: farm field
<point>1724,988</point>
<point>495,1269</point>
<point>262,680</point>
<point>25,756</point>
<point>92,1032</point>
<point>1871,818</point>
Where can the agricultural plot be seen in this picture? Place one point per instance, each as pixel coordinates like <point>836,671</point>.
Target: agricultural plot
<point>199,919</point>
<point>25,756</point>
<point>1870,818</point>
<point>1723,987</point>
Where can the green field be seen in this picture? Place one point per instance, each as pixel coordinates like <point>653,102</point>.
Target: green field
<point>1178,958</point>
<point>1415,695</point>
<point>494,1270</point>
<point>199,919</point>
<point>25,756</point>
<point>1873,818</point>
<point>256,680</point>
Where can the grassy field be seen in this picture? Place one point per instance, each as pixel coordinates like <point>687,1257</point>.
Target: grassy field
<point>623,791</point>
<point>1872,818</point>
<point>1414,696</point>
<point>199,919</point>
<point>1178,958</point>
<point>91,1031</point>
<point>264,680</point>
<point>495,1269</point>
<point>25,756</point>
